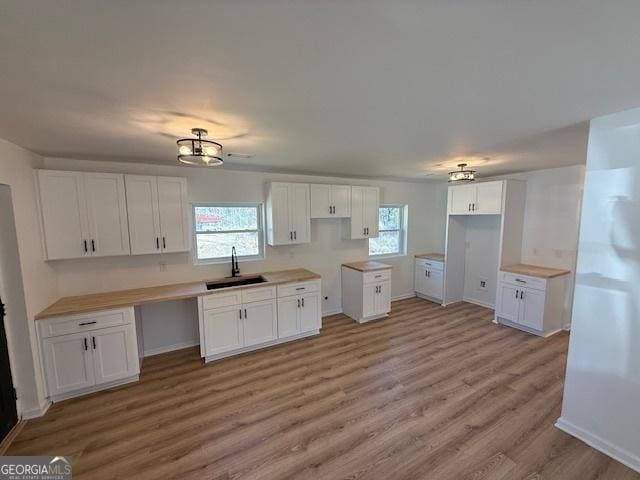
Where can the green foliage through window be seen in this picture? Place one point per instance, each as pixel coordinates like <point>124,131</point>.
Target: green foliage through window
<point>390,240</point>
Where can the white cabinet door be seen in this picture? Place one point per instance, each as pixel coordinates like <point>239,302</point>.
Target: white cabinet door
<point>172,208</point>
<point>383,298</point>
<point>310,317</point>
<point>357,213</point>
<point>64,214</point>
<point>509,302</point>
<point>369,303</point>
<point>222,329</point>
<point>532,309</point>
<point>142,212</point>
<point>371,211</point>
<point>288,318</point>
<point>435,283</point>
<point>68,363</point>
<point>321,205</point>
<point>107,214</point>
<point>461,199</point>
<point>279,231</point>
<point>341,201</point>
<point>420,279</point>
<point>299,212</point>
<point>115,353</point>
<point>488,198</point>
<point>260,322</point>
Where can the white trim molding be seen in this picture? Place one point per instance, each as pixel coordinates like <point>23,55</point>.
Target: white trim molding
<point>626,458</point>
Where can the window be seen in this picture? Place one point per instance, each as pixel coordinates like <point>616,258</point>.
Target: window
<point>390,240</point>
<point>218,227</point>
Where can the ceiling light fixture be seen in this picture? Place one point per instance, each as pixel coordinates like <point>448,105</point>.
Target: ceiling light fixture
<point>196,151</point>
<point>462,175</point>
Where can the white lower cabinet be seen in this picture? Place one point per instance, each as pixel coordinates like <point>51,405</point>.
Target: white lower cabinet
<point>366,295</point>
<point>529,303</point>
<point>288,311</point>
<point>429,279</point>
<point>84,353</point>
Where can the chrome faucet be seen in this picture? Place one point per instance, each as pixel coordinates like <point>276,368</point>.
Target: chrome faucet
<point>235,269</point>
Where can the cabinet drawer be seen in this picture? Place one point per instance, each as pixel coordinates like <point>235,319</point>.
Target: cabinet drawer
<point>430,264</point>
<point>258,294</point>
<point>374,277</point>
<point>297,288</point>
<point>222,299</point>
<point>85,322</point>
<point>523,280</point>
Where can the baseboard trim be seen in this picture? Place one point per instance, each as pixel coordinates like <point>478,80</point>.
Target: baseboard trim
<point>403,296</point>
<point>38,411</point>
<point>621,455</point>
<point>8,440</point>
<point>95,388</point>
<point>170,348</point>
<point>479,303</point>
<point>337,311</point>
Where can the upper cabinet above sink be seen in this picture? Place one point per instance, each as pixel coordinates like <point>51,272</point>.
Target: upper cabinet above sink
<point>288,213</point>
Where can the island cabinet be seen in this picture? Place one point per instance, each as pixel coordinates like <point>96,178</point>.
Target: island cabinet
<point>532,303</point>
<point>88,352</point>
<point>366,290</point>
<point>241,320</point>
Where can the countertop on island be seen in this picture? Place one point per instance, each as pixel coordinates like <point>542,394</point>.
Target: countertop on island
<point>535,270</point>
<point>179,291</point>
<point>437,257</point>
<point>367,266</point>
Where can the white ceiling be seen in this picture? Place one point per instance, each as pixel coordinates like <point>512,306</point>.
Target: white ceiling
<point>362,88</point>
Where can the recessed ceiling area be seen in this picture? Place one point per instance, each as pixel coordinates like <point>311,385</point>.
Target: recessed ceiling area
<point>400,89</point>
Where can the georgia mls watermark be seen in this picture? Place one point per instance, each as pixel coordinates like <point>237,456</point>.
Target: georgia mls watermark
<point>35,468</point>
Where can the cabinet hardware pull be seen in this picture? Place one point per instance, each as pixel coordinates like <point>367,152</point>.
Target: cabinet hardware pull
<point>93,245</point>
<point>290,235</point>
<point>303,302</point>
<point>86,323</point>
<point>521,294</point>
<point>298,303</point>
<point>378,276</point>
<point>86,345</point>
<point>334,209</point>
<point>517,293</point>
<point>245,313</point>
<point>93,340</point>
<point>240,312</point>
<point>85,247</point>
<point>157,243</point>
<point>295,235</point>
<point>520,281</point>
<point>164,243</point>
<point>469,208</point>
<point>301,288</point>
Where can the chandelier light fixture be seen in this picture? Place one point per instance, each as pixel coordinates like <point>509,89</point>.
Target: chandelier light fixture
<point>200,152</point>
<point>462,175</point>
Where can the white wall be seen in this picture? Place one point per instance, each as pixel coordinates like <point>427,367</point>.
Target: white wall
<point>602,386</point>
<point>40,286</point>
<point>552,220</point>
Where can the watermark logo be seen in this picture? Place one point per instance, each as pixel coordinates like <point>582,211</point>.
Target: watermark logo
<point>35,468</point>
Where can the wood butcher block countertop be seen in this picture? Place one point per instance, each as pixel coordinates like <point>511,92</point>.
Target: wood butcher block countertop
<point>367,266</point>
<point>179,291</point>
<point>535,271</point>
<point>438,257</point>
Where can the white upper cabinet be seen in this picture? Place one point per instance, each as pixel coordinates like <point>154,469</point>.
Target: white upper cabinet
<point>365,205</point>
<point>330,201</point>
<point>476,199</point>
<point>288,213</point>
<point>83,214</point>
<point>158,214</point>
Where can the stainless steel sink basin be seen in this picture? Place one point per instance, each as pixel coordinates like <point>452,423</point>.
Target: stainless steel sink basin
<point>235,282</point>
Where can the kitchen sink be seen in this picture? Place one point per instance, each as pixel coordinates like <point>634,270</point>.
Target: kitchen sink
<point>235,282</point>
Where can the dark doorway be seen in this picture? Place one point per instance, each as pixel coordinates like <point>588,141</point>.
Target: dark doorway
<point>8,411</point>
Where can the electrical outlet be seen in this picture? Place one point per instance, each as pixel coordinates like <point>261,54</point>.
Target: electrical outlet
<point>483,284</point>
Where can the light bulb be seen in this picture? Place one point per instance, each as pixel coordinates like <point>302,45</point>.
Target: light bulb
<point>185,150</point>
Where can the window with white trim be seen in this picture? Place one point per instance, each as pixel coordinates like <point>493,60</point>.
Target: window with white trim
<point>391,236</point>
<point>219,227</point>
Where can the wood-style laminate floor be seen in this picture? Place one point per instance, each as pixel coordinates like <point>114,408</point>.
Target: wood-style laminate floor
<point>427,393</point>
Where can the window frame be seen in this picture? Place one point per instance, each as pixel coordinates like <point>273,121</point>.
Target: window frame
<point>241,258</point>
<point>402,230</point>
